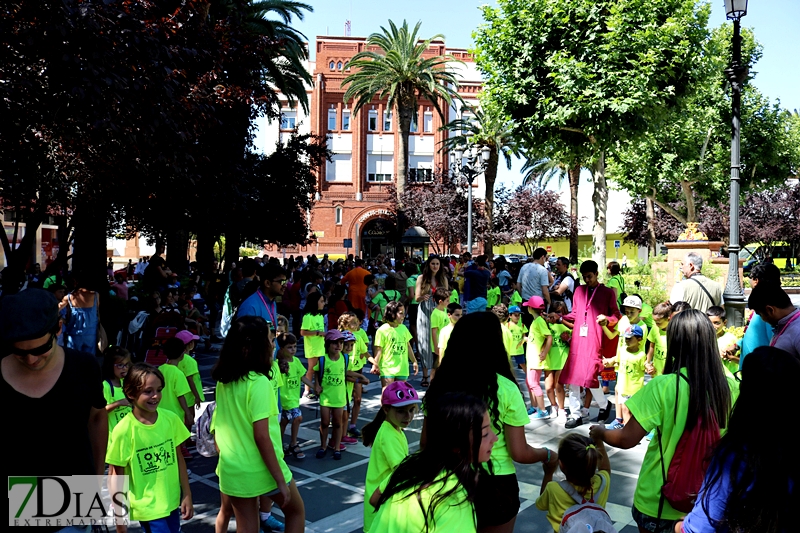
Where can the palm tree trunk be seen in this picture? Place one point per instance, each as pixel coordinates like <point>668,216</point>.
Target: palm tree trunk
<point>490,176</point>
<point>600,201</point>
<point>574,175</point>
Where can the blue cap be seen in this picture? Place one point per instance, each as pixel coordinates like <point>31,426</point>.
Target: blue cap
<point>634,331</point>
<point>514,309</point>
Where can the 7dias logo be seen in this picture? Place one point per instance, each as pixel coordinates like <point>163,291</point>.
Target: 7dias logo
<point>63,501</point>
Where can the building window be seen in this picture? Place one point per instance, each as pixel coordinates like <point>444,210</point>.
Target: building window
<point>414,126</point>
<point>332,65</point>
<point>331,119</point>
<point>380,168</point>
<point>427,123</point>
<point>387,121</point>
<point>288,120</point>
<point>338,215</point>
<point>339,168</point>
<point>420,175</point>
<point>379,178</point>
<point>347,65</point>
<point>372,124</point>
<point>339,65</point>
<point>346,120</point>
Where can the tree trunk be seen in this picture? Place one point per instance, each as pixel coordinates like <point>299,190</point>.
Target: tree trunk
<point>89,256</point>
<point>490,176</point>
<point>574,175</point>
<point>650,213</point>
<point>600,201</point>
<point>205,251</point>
<point>178,250</point>
<point>691,213</point>
<point>404,112</point>
<point>232,243</point>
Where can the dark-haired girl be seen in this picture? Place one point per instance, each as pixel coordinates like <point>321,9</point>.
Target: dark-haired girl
<point>393,346</point>
<point>247,430</point>
<point>116,362</point>
<point>433,489</point>
<point>434,276</point>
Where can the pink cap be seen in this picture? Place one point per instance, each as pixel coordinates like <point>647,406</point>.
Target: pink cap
<point>186,336</point>
<point>399,394</point>
<point>535,302</point>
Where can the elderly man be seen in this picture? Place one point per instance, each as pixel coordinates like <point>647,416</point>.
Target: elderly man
<point>775,308</point>
<point>697,290</point>
<point>55,418</point>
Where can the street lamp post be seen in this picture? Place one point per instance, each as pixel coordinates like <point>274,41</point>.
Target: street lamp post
<point>477,160</point>
<point>737,73</point>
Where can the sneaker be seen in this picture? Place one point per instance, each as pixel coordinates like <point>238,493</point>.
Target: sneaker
<point>349,440</point>
<point>616,424</point>
<point>341,448</point>
<point>271,524</point>
<point>541,415</point>
<point>321,453</point>
<point>354,432</point>
<point>584,412</point>
<point>573,423</point>
<point>531,410</point>
<point>561,418</point>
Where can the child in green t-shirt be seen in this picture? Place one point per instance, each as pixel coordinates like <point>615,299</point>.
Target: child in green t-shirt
<point>313,332</point>
<point>454,313</point>
<point>353,377</point>
<point>516,299</point>
<point>116,362</point>
<point>630,378</point>
<point>439,320</point>
<point>330,388</point>
<point>190,369</point>
<point>518,337</point>
<point>454,299</point>
<point>393,347</point>
<point>175,395</point>
<point>493,294</point>
<point>294,374</point>
<point>657,353</point>
<point>539,342</point>
<point>726,341</point>
<point>159,495</point>
<point>501,312</point>
<point>556,358</point>
<point>352,321</point>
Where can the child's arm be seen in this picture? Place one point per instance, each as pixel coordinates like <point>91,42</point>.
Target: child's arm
<point>311,333</point>
<point>267,450</point>
<point>114,486</point>
<point>376,360</point>
<point>376,496</point>
<point>194,391</point>
<point>549,470</point>
<point>119,403</point>
<point>356,377</point>
<point>307,382</point>
<point>435,336</point>
<point>611,361</point>
<point>548,343</point>
<point>187,509</point>
<point>188,418</point>
<point>608,332</point>
<point>603,463</point>
<point>412,359</point>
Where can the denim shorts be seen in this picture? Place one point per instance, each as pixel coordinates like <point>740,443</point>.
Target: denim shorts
<point>291,414</point>
<point>519,359</point>
<point>652,524</point>
<point>168,524</point>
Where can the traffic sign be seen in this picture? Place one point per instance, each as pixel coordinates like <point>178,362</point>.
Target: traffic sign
<point>348,243</point>
<point>616,244</point>
<point>549,249</point>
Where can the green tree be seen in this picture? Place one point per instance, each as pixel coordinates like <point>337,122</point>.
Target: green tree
<point>399,71</point>
<point>578,75</point>
<point>486,127</point>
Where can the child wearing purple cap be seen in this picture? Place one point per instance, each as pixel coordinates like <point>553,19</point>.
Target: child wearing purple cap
<point>399,403</point>
<point>330,387</point>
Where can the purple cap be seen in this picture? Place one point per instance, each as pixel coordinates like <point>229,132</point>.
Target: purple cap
<point>399,394</point>
<point>186,336</point>
<point>334,335</point>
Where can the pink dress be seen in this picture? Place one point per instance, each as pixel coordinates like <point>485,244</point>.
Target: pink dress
<point>585,362</point>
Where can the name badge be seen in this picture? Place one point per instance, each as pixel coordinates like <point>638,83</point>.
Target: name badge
<point>584,331</point>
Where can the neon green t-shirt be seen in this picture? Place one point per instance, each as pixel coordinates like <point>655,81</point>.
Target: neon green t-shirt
<point>646,315</point>
<point>362,336</point>
<point>654,406</point>
<point>557,356</point>
<point>555,500</point>
<point>334,392</point>
<point>388,451</point>
<point>513,412</point>
<point>727,340</point>
<point>411,283</point>
<point>241,469</point>
<point>149,455</point>
<point>382,299</point>
<point>492,297</point>
<point>439,320</point>
<point>538,335</point>
<point>175,386</point>
<point>403,513</point>
<point>354,364</point>
<point>290,391</point>
<point>518,332</point>
<point>630,376</point>
<point>454,297</point>
<point>622,325</point>
<point>188,366</point>
<point>313,346</point>
<point>444,338</point>
<point>515,299</point>
<point>120,412</point>
<point>394,350</point>
<point>659,339</point>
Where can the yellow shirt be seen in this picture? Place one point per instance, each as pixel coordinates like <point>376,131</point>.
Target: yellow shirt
<point>512,410</point>
<point>444,338</point>
<point>388,451</point>
<point>334,392</point>
<point>120,412</point>
<point>175,386</point>
<point>290,391</point>
<point>538,335</point>
<point>555,500</point>
<point>188,366</point>
<point>313,346</point>
<point>518,331</point>
<point>439,320</point>
<point>394,350</point>
<point>149,455</point>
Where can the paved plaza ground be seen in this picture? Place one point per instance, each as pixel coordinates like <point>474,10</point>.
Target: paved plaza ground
<point>333,491</point>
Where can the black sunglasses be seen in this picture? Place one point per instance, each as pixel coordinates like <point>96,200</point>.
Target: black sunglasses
<point>39,350</point>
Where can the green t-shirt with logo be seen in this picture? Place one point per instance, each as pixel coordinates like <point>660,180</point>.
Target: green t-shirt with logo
<point>241,469</point>
<point>388,451</point>
<point>557,356</point>
<point>404,511</point>
<point>382,299</point>
<point>411,287</point>
<point>175,386</point>
<point>114,394</point>
<point>149,455</point>
<point>492,297</point>
<point>439,320</point>
<point>290,391</point>
<point>518,332</point>
<point>630,375</point>
<point>354,364</point>
<point>334,392</point>
<point>313,346</point>
<point>394,350</point>
<point>536,339</point>
<point>513,412</point>
<point>659,339</point>
<point>189,367</point>
<point>515,299</point>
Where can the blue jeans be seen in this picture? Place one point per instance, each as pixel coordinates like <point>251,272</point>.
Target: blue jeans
<point>168,524</point>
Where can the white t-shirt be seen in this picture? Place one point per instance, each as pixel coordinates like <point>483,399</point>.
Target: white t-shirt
<point>568,279</point>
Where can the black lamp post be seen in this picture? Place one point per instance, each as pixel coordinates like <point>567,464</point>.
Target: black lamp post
<point>737,73</point>
<point>477,159</point>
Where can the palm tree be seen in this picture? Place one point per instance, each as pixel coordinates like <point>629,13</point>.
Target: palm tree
<point>398,72</point>
<point>540,171</point>
<point>486,127</point>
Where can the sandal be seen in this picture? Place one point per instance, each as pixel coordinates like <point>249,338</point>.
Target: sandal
<point>321,453</point>
<point>297,452</point>
<point>424,383</point>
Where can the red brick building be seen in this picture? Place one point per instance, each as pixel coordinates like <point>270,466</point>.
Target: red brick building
<point>353,198</point>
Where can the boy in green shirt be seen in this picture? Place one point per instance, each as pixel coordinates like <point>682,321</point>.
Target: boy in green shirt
<point>493,294</point>
<point>438,321</point>
<point>516,298</point>
<point>630,379</point>
<point>176,391</point>
<point>190,369</point>
<point>726,341</point>
<point>657,353</point>
<point>454,312</point>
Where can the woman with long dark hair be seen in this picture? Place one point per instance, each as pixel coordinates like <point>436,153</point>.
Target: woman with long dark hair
<point>434,276</point>
<point>477,365</point>
<point>693,390</point>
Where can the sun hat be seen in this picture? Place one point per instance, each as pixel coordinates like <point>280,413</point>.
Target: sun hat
<point>534,302</point>
<point>399,394</point>
<point>334,335</point>
<point>514,309</point>
<point>634,331</point>
<point>632,301</point>
<point>186,336</point>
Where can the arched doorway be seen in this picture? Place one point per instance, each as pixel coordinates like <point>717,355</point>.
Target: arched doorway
<point>378,237</point>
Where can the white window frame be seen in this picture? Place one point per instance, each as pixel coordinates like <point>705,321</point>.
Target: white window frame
<point>332,115</point>
<point>288,119</point>
<point>345,120</point>
<point>338,215</point>
<point>427,122</point>
<point>387,121</point>
<point>372,120</point>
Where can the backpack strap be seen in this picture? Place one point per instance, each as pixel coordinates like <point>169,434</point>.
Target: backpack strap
<point>704,290</point>
<point>569,489</point>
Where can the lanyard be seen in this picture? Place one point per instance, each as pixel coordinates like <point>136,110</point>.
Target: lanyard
<point>775,337</point>
<point>270,312</point>
<point>589,304</point>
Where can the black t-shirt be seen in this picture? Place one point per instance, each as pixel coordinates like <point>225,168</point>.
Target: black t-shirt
<point>478,283</point>
<point>49,436</point>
